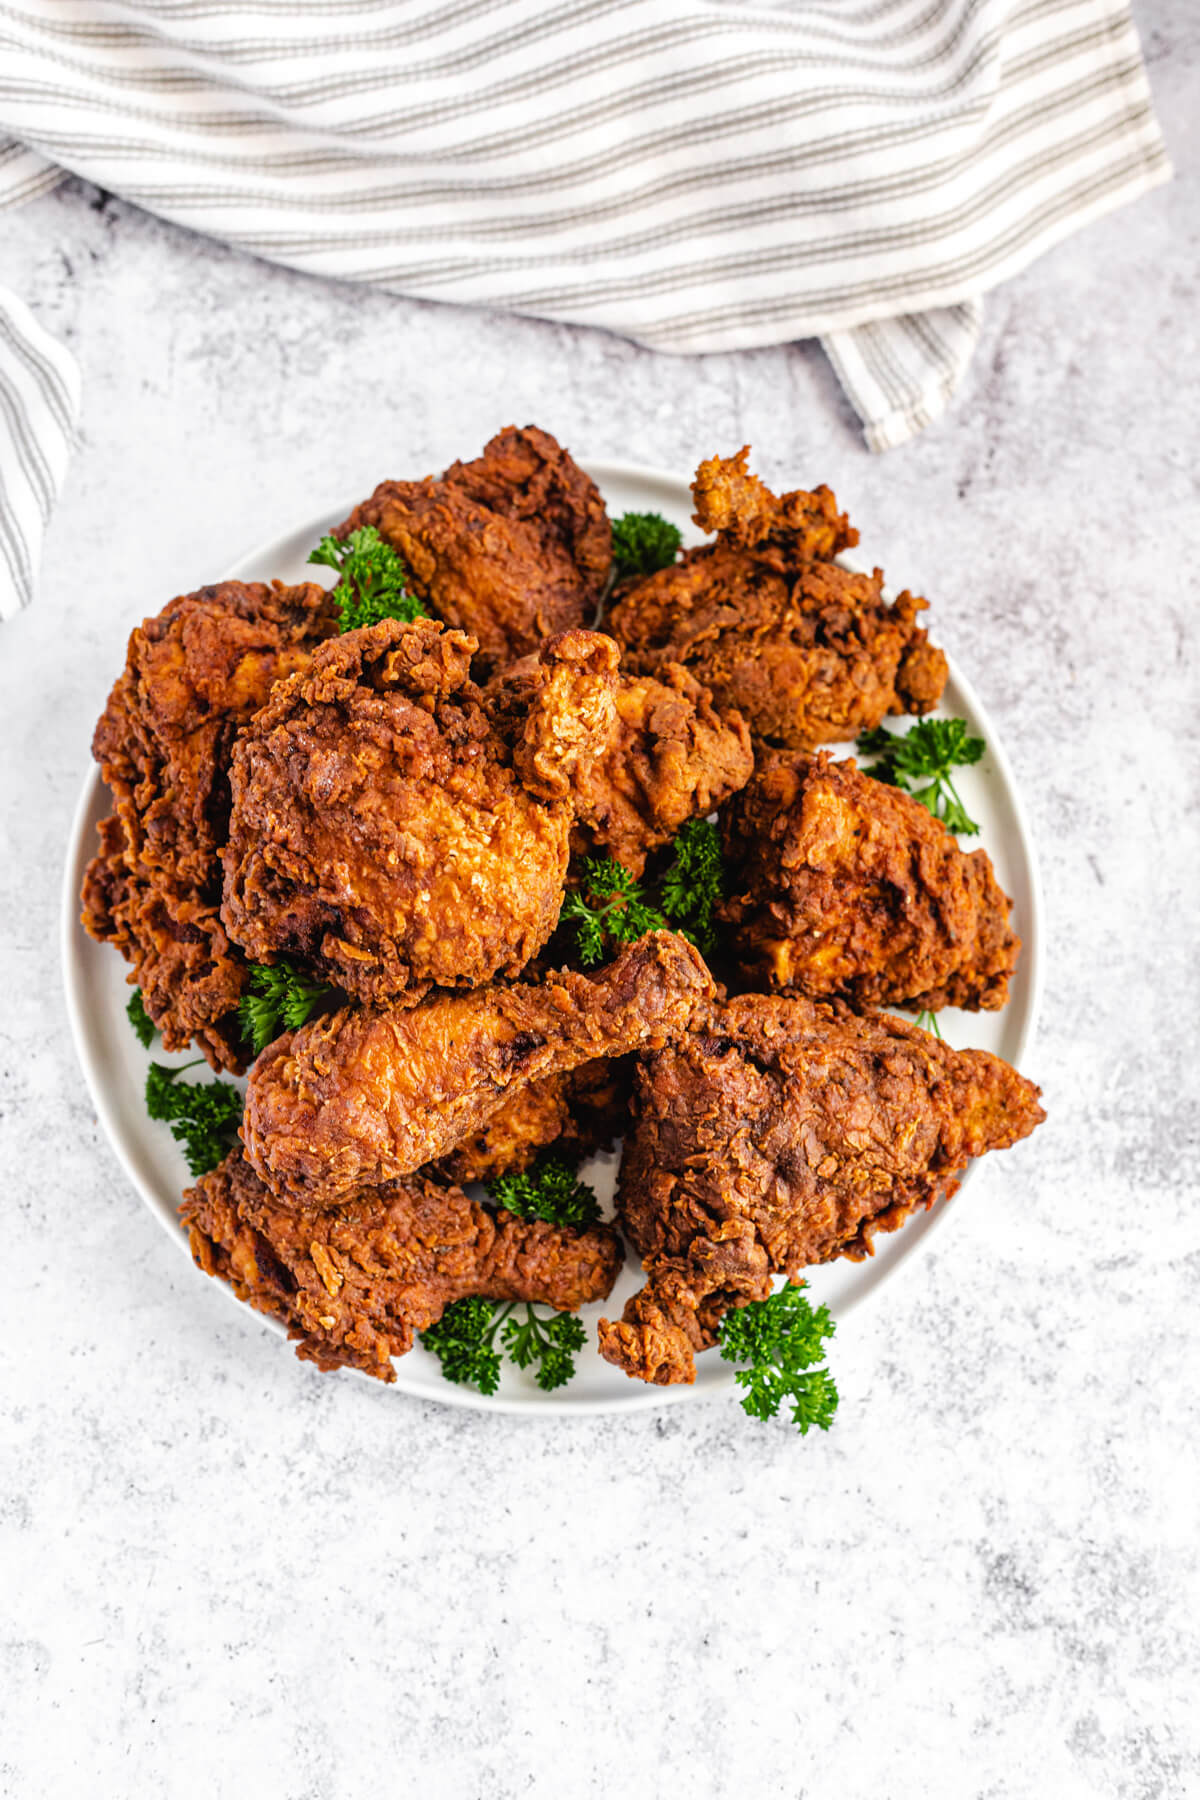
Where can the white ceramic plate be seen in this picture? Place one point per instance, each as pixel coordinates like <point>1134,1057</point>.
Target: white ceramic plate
<point>114,1063</point>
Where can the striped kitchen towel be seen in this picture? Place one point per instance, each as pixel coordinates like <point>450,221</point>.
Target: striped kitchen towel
<point>694,174</point>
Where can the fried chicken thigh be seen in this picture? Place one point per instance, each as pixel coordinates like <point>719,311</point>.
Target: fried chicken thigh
<point>809,652</point>
<point>512,547</point>
<point>845,886</point>
<point>356,1098</point>
<point>381,829</point>
<point>193,676</point>
<point>787,1133</point>
<point>354,1286</point>
<point>670,757</point>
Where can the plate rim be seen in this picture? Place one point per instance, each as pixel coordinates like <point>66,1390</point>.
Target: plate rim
<point>74,942</point>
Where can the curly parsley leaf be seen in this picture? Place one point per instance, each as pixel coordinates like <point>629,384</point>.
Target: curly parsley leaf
<point>926,752</point>
<point>549,1341</point>
<point>281,998</point>
<point>779,1342</point>
<point>694,883</point>
<point>608,908</point>
<point>550,1189</point>
<point>464,1342</point>
<point>643,542</point>
<point>144,1027</point>
<point>204,1115</point>
<point>374,580</point>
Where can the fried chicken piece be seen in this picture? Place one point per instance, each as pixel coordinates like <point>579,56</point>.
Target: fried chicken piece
<point>380,830</point>
<point>512,547</point>
<point>788,1133</point>
<point>357,1097</point>
<point>577,1112</point>
<point>354,1286</point>
<point>809,652</point>
<point>670,757</point>
<point>193,676</point>
<point>845,886</point>
<point>743,511</point>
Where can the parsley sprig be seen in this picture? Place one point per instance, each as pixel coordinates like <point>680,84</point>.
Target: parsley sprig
<point>927,751</point>
<point>203,1115</point>
<point>464,1340</point>
<point>694,882</point>
<point>281,998</point>
<point>779,1341</point>
<point>374,580</point>
<point>927,1021</point>
<point>144,1027</point>
<point>608,908</point>
<point>549,1189</point>
<point>643,542</point>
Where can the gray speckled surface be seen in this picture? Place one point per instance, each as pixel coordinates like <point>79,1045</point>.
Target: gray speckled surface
<point>225,1574</point>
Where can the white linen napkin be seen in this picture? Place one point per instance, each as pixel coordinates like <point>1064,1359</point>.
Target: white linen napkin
<point>695,174</point>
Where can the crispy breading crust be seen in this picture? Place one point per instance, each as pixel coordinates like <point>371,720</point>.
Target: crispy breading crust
<point>512,547</point>
<point>845,886</point>
<point>359,1097</point>
<point>194,674</point>
<point>788,1133</point>
<point>354,1286</point>
<point>381,829</point>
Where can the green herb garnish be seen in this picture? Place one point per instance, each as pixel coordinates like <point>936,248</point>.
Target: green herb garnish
<point>609,907</point>
<point>694,883</point>
<point>928,750</point>
<point>464,1342</point>
<point>374,580</point>
<point>204,1115</point>
<point>643,542</point>
<point>928,1022</point>
<point>144,1027</point>
<point>780,1342</point>
<point>550,1189</point>
<point>281,998</point>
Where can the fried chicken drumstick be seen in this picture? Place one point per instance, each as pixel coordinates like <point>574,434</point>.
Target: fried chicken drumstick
<point>193,676</point>
<point>385,834</point>
<point>810,653</point>
<point>354,1286</point>
<point>512,547</point>
<point>787,1133</point>
<point>357,1098</point>
<point>845,886</point>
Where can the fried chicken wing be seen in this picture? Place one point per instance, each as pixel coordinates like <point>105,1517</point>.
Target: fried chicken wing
<point>354,1286</point>
<point>512,547</point>
<point>670,757</point>
<point>786,1133</point>
<point>809,652</point>
<point>845,886</point>
<point>360,1097</point>
<point>194,674</point>
<point>380,830</point>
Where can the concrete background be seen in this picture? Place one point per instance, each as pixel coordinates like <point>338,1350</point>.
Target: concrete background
<point>225,1574</point>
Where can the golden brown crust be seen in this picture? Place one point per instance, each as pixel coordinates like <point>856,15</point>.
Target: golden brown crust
<point>670,757</point>
<point>512,547</point>
<point>806,1127</point>
<point>354,1286</point>
<point>194,675</point>
<point>380,830</point>
<point>356,1097</point>
<point>845,886</point>
<point>743,511</point>
<point>810,653</point>
<point>577,1111</point>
